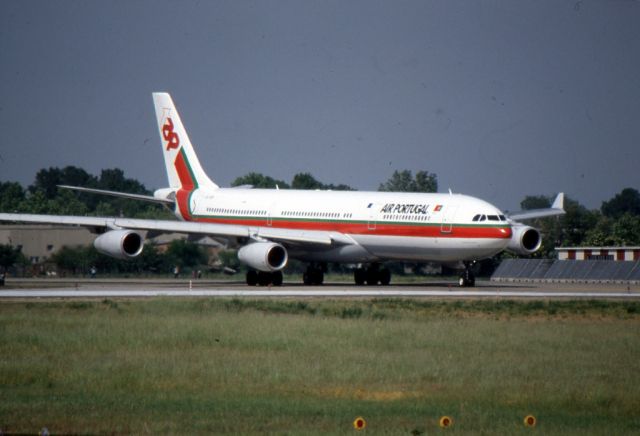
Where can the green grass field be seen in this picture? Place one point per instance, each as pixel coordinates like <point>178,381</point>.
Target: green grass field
<point>288,367</point>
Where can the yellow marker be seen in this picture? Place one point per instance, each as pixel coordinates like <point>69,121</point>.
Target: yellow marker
<point>530,421</point>
<point>446,421</point>
<point>359,423</point>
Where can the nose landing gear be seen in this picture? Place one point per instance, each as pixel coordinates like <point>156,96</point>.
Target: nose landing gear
<point>467,278</point>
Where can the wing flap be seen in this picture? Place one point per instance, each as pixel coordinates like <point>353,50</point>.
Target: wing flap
<point>295,236</point>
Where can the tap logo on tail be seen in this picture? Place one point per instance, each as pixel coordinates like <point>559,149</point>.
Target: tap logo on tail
<point>173,141</point>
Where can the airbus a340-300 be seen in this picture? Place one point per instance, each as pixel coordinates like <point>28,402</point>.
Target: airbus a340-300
<point>269,226</point>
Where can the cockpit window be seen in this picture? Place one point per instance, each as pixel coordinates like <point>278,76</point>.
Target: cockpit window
<point>480,217</point>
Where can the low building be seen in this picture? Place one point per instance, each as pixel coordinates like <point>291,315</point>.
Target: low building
<point>39,242</point>
<point>599,253</point>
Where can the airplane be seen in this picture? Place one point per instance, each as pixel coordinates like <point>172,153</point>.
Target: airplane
<point>269,226</point>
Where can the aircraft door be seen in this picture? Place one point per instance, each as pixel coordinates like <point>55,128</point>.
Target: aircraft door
<point>270,212</point>
<point>372,217</point>
<point>448,218</point>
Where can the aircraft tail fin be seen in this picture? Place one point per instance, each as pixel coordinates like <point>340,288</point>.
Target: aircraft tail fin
<point>558,203</point>
<point>182,164</point>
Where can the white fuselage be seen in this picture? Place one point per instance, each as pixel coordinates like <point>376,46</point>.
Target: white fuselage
<point>384,226</point>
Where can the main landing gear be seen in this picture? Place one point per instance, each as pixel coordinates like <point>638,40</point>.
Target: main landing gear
<point>263,278</point>
<point>314,275</point>
<point>467,278</point>
<point>372,275</point>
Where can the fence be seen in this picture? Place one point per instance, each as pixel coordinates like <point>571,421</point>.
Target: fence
<point>567,271</point>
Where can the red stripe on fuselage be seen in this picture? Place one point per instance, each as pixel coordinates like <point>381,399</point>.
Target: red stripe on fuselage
<point>364,228</point>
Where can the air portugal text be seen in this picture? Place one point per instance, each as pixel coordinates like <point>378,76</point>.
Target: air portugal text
<point>417,209</point>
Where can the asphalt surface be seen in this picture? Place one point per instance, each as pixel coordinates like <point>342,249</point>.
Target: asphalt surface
<point>337,293</point>
<point>139,288</point>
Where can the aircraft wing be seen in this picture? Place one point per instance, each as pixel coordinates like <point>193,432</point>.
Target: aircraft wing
<point>557,208</point>
<point>164,226</point>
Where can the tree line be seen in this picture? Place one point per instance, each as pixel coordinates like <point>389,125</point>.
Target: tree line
<point>44,196</point>
<point>401,181</point>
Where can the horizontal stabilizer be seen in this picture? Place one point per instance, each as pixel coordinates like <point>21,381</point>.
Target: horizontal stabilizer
<point>557,208</point>
<point>119,194</point>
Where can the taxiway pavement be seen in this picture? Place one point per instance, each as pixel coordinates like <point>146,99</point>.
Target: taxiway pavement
<point>168,288</point>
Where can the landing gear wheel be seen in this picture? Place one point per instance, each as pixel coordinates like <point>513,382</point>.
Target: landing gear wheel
<point>314,275</point>
<point>252,278</point>
<point>264,278</point>
<point>373,276</point>
<point>385,276</point>
<point>319,278</point>
<point>276,278</point>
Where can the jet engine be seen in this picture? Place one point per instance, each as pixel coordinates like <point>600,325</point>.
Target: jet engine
<point>264,256</point>
<point>121,244</point>
<point>524,240</point>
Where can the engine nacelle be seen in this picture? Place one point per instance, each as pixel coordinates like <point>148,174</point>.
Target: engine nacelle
<point>524,240</point>
<point>121,244</point>
<point>264,256</point>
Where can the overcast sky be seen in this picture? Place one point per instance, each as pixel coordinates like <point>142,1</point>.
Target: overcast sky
<point>499,98</point>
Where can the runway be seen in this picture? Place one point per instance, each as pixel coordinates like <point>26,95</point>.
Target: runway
<point>149,289</point>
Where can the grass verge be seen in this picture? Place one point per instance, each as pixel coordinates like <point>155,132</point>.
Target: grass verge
<point>311,367</point>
